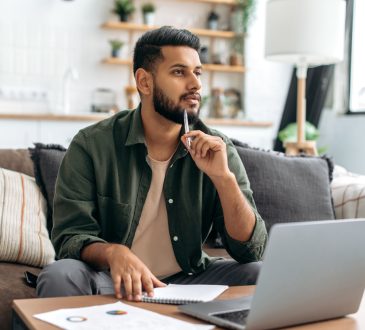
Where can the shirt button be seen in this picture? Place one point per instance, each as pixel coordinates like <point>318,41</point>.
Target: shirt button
<point>175,238</point>
<point>171,201</point>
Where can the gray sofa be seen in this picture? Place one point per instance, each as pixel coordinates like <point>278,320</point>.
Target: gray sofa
<point>285,189</point>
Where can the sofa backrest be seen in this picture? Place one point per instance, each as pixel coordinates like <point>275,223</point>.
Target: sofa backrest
<point>285,189</point>
<point>17,160</point>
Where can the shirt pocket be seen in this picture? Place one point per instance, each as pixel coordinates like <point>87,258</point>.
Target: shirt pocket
<point>114,220</point>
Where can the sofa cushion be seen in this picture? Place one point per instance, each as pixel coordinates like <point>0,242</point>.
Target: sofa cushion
<point>23,234</point>
<point>12,286</point>
<point>288,188</point>
<point>16,160</point>
<point>47,159</point>
<point>348,190</point>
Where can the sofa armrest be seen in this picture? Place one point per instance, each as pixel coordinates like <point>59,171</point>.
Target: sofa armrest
<point>348,193</point>
<point>16,160</point>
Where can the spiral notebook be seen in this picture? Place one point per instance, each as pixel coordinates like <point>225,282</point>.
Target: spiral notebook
<point>180,294</point>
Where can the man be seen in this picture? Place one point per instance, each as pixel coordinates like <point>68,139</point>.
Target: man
<point>134,203</point>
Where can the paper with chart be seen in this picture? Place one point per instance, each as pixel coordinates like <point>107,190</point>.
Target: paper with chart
<point>114,317</point>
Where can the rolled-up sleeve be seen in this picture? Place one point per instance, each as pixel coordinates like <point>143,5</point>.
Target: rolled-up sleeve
<point>253,249</point>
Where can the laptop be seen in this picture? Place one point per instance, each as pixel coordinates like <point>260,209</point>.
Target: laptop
<point>312,271</point>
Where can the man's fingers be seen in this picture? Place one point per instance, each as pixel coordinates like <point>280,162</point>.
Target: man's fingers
<point>198,143</point>
<point>204,149</point>
<point>137,287</point>
<point>128,286</point>
<point>117,284</point>
<point>147,285</point>
<point>157,283</point>
<point>202,145</point>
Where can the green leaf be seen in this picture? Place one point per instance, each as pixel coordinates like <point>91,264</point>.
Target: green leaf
<point>289,133</point>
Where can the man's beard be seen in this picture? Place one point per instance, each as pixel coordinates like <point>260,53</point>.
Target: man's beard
<point>166,107</point>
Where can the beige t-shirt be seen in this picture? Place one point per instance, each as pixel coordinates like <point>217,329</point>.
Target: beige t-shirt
<point>152,241</point>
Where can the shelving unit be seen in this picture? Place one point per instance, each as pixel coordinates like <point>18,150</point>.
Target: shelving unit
<point>213,35</point>
<point>132,27</point>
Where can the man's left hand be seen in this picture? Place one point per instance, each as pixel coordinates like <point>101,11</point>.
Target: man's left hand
<point>208,152</point>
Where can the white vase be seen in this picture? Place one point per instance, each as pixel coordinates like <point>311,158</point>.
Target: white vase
<point>149,18</point>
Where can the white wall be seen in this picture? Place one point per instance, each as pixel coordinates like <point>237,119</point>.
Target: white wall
<point>344,137</point>
<point>39,39</point>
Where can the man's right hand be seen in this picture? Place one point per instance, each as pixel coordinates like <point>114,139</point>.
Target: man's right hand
<point>127,269</point>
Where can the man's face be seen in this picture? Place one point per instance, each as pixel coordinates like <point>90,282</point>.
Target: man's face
<point>177,84</point>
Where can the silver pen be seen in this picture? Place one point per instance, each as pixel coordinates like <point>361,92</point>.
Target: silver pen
<point>186,127</point>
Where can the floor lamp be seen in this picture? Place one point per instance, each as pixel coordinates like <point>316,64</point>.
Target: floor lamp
<point>305,33</point>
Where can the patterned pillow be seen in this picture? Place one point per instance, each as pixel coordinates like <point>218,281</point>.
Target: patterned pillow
<point>23,234</point>
<point>348,191</point>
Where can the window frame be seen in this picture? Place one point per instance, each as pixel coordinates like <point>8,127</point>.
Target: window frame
<point>349,52</point>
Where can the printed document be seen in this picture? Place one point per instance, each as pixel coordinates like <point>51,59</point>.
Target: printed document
<point>114,317</point>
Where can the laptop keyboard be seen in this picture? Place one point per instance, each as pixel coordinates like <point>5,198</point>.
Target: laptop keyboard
<point>238,317</point>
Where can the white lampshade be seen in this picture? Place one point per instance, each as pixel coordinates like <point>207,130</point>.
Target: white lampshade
<point>305,32</point>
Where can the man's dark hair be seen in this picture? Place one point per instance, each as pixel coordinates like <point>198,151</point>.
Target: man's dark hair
<point>148,47</point>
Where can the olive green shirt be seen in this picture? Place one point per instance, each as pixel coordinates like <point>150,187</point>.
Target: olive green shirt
<point>103,183</point>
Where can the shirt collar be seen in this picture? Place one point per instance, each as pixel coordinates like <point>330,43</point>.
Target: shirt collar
<point>136,131</point>
<point>136,134</point>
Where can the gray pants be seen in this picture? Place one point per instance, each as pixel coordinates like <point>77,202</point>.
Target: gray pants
<point>69,277</point>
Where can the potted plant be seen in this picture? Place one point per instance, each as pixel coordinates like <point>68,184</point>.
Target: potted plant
<point>123,8</point>
<point>148,11</point>
<point>116,46</point>
<point>237,50</point>
<point>242,16</point>
<point>289,134</point>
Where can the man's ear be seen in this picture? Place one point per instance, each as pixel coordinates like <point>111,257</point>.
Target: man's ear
<point>144,81</point>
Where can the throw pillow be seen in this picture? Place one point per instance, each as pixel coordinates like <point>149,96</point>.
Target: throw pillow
<point>23,233</point>
<point>47,159</point>
<point>288,188</point>
<point>348,190</point>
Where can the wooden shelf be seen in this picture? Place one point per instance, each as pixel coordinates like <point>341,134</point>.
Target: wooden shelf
<point>94,117</point>
<point>214,2</point>
<point>224,68</point>
<point>207,67</point>
<point>117,61</point>
<point>213,33</point>
<point>115,25</point>
<point>236,122</point>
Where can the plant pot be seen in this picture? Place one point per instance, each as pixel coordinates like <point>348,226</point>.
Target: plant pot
<point>236,59</point>
<point>123,17</point>
<point>149,18</point>
<point>213,24</point>
<point>115,52</point>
